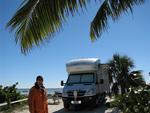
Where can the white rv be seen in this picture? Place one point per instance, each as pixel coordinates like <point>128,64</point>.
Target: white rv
<point>87,82</point>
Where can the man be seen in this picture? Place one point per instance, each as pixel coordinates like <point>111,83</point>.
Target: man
<point>37,98</point>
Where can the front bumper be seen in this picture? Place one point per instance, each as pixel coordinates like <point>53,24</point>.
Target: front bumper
<point>80,100</point>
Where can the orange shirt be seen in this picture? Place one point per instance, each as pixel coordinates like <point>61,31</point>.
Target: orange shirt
<point>37,100</point>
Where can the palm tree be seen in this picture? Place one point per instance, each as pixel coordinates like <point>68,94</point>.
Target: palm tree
<point>39,20</point>
<point>136,78</point>
<point>119,68</point>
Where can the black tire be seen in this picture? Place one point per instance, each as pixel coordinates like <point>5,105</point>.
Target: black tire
<point>95,102</point>
<point>66,105</point>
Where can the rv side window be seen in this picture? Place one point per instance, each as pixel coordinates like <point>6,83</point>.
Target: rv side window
<point>96,79</point>
<point>101,81</point>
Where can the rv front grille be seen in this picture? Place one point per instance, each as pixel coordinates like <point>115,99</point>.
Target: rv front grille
<point>80,93</point>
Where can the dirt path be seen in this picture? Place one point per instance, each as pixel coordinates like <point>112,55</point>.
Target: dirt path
<point>58,108</point>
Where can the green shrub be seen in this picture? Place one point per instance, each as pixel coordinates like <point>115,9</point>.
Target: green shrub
<point>2,94</point>
<point>137,100</point>
<point>9,93</point>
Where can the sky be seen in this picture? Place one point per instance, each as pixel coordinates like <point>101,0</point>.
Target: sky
<point>129,36</point>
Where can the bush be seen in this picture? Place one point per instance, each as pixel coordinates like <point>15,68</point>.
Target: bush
<point>137,100</point>
<point>9,93</point>
<point>2,95</point>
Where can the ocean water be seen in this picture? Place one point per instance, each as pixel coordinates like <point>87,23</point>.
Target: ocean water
<point>25,91</point>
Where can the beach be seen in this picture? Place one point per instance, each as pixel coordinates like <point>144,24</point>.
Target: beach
<point>58,108</point>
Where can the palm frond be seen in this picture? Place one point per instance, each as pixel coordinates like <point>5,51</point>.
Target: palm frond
<point>38,20</point>
<point>110,9</point>
<point>136,78</point>
<point>120,66</point>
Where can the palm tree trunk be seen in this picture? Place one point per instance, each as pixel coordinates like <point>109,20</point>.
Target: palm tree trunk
<point>123,89</point>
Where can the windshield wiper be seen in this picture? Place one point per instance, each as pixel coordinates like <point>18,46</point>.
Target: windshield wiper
<point>87,83</point>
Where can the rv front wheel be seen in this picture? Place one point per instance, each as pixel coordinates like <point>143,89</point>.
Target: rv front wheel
<point>66,105</point>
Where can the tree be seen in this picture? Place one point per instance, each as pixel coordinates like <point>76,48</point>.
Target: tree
<point>136,79</point>
<point>120,67</point>
<point>9,93</point>
<point>39,20</point>
<point>137,100</point>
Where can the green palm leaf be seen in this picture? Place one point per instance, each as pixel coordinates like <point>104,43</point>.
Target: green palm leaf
<point>110,9</point>
<point>136,78</point>
<point>37,21</point>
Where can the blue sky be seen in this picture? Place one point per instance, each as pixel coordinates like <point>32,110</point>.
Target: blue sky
<point>129,36</point>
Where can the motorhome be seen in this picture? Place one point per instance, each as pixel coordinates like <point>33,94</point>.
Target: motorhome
<point>87,82</point>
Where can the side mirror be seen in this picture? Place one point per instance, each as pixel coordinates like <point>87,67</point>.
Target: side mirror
<point>101,81</point>
<point>62,83</point>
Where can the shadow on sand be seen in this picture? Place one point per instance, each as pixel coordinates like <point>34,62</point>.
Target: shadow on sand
<point>87,109</point>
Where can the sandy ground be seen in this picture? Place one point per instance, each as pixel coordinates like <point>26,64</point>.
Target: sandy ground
<point>58,108</point>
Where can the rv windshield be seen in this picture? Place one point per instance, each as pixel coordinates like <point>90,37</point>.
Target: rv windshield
<point>80,78</point>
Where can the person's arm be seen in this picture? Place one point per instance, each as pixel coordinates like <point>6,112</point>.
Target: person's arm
<point>31,101</point>
<point>46,107</point>
<point>46,98</point>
